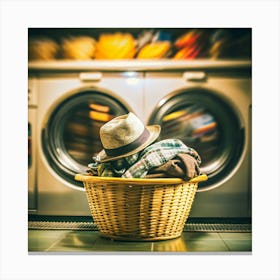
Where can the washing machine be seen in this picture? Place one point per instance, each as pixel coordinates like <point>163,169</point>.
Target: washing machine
<point>70,106</point>
<point>208,107</point>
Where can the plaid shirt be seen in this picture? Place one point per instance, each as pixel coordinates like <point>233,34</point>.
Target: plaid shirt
<point>138,165</point>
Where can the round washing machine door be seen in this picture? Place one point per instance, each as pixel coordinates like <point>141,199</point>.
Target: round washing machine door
<point>71,136</point>
<point>207,123</point>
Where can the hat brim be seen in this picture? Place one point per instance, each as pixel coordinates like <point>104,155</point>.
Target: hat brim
<point>154,134</point>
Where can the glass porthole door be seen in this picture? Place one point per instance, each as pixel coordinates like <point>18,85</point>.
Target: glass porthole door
<point>71,136</point>
<point>205,122</point>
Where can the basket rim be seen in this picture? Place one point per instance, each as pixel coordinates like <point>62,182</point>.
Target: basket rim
<point>136,181</point>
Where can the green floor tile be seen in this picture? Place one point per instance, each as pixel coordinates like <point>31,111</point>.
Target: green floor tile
<point>41,240</point>
<point>205,246</point>
<point>189,241</point>
<point>192,242</point>
<point>76,241</point>
<point>170,246</point>
<point>104,244</point>
<point>46,233</point>
<point>239,245</point>
<point>201,235</point>
<point>236,236</point>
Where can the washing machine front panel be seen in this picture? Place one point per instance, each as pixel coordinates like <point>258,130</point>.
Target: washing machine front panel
<point>55,88</point>
<point>231,199</point>
<point>211,115</point>
<point>70,114</point>
<point>235,90</point>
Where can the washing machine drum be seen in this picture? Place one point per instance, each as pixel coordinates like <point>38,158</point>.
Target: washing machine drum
<point>204,121</point>
<point>71,136</point>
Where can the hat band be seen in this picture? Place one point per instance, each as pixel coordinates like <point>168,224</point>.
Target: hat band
<point>129,147</point>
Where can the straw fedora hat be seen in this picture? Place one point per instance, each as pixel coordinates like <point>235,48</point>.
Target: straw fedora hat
<point>124,136</point>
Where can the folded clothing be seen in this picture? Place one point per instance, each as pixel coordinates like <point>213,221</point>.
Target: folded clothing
<point>155,155</point>
<point>182,166</point>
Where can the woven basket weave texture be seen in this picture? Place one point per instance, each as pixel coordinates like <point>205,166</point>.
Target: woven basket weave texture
<point>140,209</point>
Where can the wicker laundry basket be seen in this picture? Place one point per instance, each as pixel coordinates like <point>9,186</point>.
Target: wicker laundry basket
<point>140,209</point>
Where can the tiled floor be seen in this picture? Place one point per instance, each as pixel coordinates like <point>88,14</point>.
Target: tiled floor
<point>90,241</point>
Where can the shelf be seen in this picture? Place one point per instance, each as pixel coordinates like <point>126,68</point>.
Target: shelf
<point>136,65</point>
